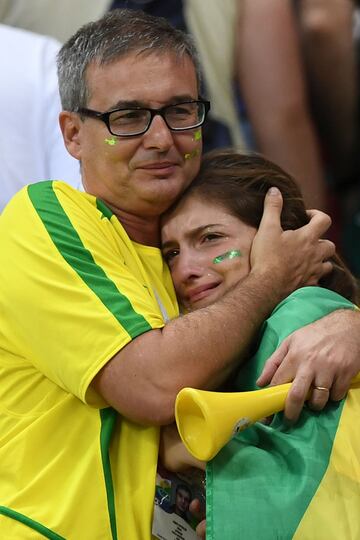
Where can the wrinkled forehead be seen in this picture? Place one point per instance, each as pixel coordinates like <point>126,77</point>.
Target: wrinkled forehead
<point>191,215</point>
<point>192,202</point>
<point>136,67</point>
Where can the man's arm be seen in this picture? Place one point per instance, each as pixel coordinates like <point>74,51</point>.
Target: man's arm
<point>202,348</point>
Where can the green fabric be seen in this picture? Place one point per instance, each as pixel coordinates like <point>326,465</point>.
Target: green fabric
<point>108,420</point>
<point>260,484</point>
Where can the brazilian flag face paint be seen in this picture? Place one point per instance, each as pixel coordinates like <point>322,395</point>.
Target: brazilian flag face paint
<point>110,142</point>
<point>228,255</point>
<point>193,154</point>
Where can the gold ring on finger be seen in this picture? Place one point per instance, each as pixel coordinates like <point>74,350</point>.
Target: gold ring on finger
<point>321,388</point>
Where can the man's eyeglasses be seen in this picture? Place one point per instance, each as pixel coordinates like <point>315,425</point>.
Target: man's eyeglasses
<point>137,120</point>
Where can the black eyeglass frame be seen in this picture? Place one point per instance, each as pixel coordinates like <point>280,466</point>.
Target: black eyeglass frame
<point>105,116</point>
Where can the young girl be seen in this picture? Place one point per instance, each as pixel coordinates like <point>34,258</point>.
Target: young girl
<point>272,481</point>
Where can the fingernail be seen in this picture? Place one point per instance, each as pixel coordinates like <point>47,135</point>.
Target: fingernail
<point>274,191</point>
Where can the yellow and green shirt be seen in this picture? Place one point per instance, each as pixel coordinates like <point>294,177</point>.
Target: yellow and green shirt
<point>74,291</point>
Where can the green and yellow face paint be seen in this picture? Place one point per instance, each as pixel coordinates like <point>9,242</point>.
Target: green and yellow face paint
<point>195,153</point>
<point>111,142</point>
<point>232,254</point>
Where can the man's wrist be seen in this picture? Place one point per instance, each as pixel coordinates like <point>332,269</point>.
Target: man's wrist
<point>272,283</point>
<point>262,293</point>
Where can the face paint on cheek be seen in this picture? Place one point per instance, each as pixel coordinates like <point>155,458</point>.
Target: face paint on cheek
<point>195,153</point>
<point>197,135</point>
<point>110,142</point>
<point>228,255</point>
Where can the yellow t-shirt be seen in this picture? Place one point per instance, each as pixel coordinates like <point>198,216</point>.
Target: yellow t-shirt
<point>74,291</point>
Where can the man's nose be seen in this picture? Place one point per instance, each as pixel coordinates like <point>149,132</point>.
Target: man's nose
<point>158,136</point>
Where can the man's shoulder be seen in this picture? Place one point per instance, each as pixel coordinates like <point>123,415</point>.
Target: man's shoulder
<point>48,200</point>
<point>45,187</point>
<point>56,195</point>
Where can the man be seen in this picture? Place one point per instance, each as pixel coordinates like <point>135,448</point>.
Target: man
<point>85,294</point>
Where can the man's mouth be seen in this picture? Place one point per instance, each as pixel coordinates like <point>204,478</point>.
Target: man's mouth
<point>162,167</point>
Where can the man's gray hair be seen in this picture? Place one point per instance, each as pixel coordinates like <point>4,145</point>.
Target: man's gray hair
<point>118,33</point>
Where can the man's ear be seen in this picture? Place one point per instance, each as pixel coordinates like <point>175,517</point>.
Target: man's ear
<point>70,124</point>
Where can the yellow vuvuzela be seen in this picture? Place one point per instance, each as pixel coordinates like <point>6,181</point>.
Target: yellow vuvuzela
<point>206,421</point>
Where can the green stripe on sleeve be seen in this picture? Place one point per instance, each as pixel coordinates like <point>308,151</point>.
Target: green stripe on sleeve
<point>70,246</point>
<point>35,525</point>
<point>108,419</point>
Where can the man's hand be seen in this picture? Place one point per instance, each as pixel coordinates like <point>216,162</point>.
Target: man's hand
<point>294,257</point>
<point>324,354</point>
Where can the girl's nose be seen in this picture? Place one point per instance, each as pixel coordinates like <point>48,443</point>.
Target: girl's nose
<point>190,265</point>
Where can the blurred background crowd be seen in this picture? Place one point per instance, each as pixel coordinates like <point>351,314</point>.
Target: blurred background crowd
<point>282,77</point>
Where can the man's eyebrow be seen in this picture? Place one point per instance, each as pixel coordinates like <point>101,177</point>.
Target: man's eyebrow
<point>180,98</point>
<point>191,234</point>
<point>128,104</point>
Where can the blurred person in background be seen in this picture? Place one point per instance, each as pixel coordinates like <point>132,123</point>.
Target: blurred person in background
<point>31,144</point>
<point>299,85</point>
<point>56,19</point>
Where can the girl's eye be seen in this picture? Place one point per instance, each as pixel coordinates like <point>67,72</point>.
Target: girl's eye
<point>210,237</point>
<point>169,256</point>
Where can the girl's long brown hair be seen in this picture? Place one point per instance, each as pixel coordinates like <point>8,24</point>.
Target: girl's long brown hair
<point>239,183</point>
